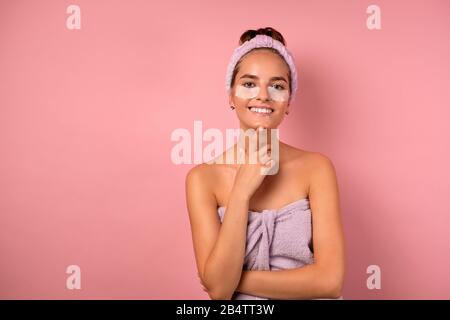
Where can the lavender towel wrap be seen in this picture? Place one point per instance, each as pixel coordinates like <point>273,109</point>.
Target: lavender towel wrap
<point>277,239</point>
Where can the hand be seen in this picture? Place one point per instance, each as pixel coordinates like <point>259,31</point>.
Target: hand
<point>249,176</point>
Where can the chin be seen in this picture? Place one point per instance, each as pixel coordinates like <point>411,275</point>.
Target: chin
<point>267,125</point>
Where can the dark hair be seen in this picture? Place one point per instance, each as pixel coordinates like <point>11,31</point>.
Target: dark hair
<point>268,31</point>
<point>250,34</point>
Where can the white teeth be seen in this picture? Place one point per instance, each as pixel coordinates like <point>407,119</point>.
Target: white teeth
<point>260,110</point>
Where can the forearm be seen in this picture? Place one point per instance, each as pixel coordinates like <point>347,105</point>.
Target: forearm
<point>223,268</point>
<point>308,282</point>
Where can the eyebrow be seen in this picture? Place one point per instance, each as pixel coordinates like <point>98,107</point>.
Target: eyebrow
<point>252,76</point>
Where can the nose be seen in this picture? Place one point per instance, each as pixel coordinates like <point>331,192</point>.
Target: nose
<point>263,94</point>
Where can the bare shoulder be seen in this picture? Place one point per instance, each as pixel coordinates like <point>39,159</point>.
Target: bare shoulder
<point>319,162</point>
<point>317,168</point>
<point>200,174</point>
<point>200,184</point>
<point>195,173</point>
<point>310,160</point>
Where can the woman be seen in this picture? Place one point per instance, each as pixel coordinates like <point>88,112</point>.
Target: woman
<point>261,236</point>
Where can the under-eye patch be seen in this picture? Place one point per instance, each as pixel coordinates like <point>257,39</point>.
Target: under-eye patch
<point>278,95</point>
<point>247,93</point>
<point>250,93</point>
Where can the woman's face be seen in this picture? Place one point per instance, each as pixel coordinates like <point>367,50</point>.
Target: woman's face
<point>262,81</point>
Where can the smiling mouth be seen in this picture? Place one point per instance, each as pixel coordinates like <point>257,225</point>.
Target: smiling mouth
<point>261,110</point>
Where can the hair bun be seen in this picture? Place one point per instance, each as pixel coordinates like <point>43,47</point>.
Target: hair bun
<point>268,31</point>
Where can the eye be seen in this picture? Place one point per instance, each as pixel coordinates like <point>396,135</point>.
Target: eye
<point>251,84</point>
<point>278,86</point>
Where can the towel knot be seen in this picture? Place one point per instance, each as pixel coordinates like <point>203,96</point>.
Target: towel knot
<point>261,228</point>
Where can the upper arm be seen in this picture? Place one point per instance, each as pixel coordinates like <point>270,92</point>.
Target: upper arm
<point>328,236</point>
<point>203,217</point>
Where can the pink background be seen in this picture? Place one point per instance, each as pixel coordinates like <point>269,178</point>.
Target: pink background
<point>86,117</point>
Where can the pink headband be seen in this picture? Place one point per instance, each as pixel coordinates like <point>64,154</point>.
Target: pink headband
<point>262,41</point>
